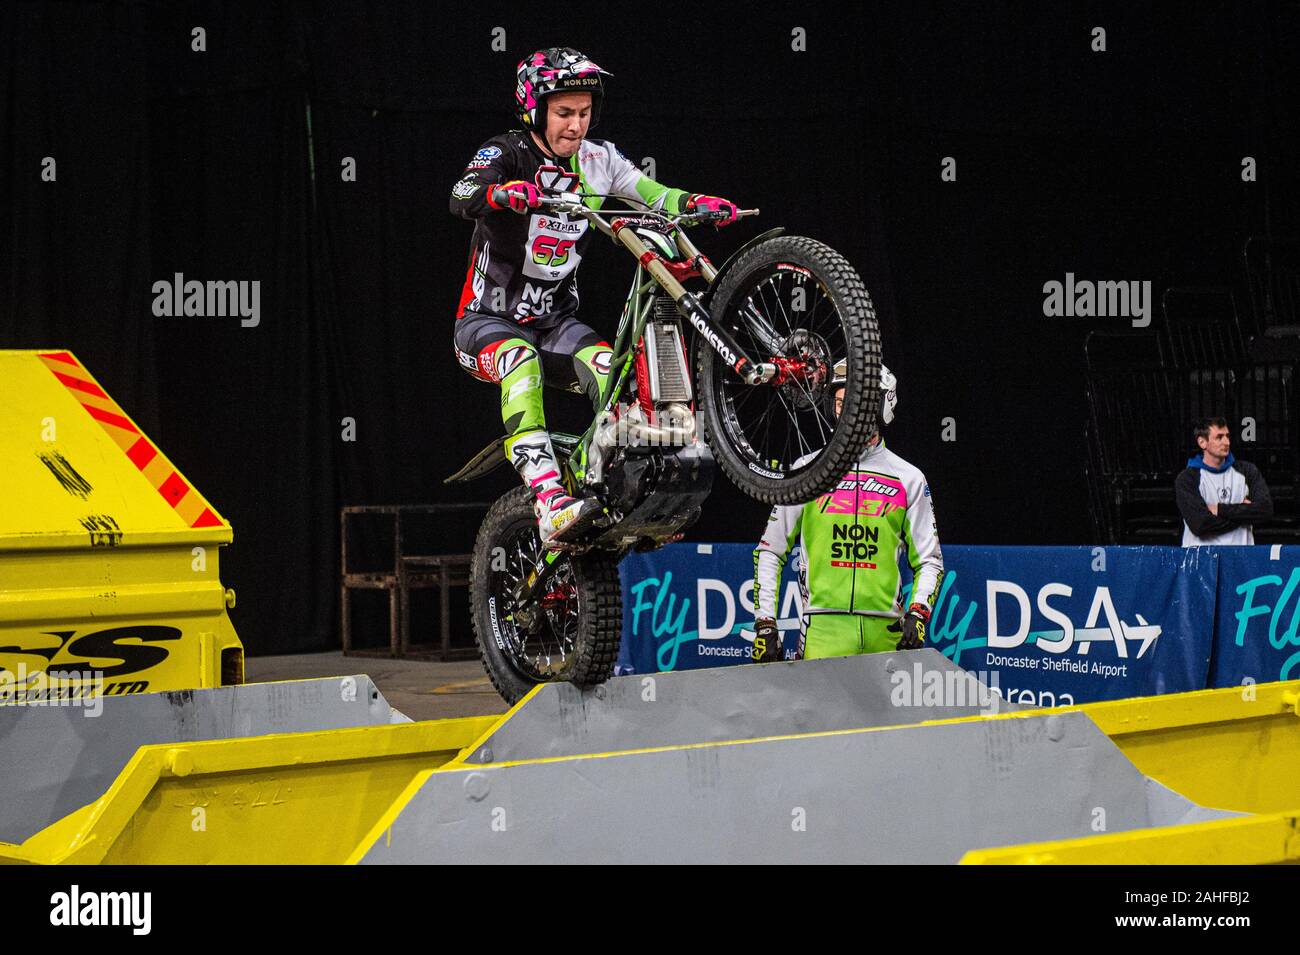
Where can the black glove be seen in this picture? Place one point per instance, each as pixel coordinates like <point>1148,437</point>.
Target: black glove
<point>767,641</point>
<point>915,622</point>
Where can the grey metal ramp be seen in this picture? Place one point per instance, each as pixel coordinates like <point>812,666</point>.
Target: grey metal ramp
<point>56,759</point>
<point>913,794</point>
<point>739,702</point>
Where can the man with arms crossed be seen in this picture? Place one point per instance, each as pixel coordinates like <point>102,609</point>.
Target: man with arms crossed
<point>1219,496</point>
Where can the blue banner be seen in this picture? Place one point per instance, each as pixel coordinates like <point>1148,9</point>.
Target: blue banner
<point>1258,616</point>
<point>1046,625</point>
<point>1062,625</point>
<point>688,606</point>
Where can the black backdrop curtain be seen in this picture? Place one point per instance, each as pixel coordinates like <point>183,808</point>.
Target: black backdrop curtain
<point>227,164</point>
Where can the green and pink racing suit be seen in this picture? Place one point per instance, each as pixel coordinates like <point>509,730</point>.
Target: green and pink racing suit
<point>854,540</point>
<point>516,323</point>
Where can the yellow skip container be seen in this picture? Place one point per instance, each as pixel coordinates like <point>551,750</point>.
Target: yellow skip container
<point>108,556</point>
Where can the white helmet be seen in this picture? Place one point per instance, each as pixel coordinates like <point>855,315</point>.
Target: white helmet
<point>888,387</point>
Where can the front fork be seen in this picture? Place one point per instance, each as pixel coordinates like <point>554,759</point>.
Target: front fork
<point>751,371</point>
<point>599,440</point>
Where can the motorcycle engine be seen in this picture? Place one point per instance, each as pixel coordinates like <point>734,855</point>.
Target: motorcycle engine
<point>658,493</point>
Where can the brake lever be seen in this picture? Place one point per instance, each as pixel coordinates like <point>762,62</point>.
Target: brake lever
<point>704,218</point>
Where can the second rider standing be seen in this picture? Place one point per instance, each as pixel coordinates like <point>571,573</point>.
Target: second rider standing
<point>854,541</point>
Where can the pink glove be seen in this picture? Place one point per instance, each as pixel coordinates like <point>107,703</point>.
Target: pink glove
<point>518,195</point>
<point>701,203</point>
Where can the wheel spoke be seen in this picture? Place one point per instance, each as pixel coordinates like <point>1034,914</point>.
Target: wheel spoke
<point>781,306</point>
<point>762,289</point>
<point>791,422</point>
<point>790,413</point>
<point>818,416</point>
<point>545,654</point>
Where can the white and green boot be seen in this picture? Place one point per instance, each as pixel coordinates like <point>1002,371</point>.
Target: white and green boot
<point>560,518</point>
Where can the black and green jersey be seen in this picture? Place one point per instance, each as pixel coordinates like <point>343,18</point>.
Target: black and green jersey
<point>525,267</point>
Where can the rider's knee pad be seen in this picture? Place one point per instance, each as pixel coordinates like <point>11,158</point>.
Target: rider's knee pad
<point>497,361</point>
<point>592,366</point>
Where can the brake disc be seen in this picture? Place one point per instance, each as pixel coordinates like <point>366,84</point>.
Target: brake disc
<point>803,345</point>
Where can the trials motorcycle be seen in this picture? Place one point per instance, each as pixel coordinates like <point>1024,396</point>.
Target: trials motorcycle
<point>767,329</point>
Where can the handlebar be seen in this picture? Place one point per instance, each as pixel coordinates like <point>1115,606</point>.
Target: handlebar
<point>692,218</point>
<point>572,202</point>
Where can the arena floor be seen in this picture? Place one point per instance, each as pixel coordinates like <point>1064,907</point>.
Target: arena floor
<point>421,689</point>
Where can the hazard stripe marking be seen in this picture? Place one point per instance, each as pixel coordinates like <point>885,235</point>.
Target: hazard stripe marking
<point>173,489</point>
<point>88,387</point>
<point>116,420</point>
<point>189,508</point>
<point>141,453</point>
<point>139,450</point>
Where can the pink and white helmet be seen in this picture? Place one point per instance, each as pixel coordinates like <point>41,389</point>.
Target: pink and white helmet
<point>557,69</point>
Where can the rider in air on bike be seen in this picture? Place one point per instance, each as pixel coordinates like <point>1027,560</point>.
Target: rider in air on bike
<point>516,323</point>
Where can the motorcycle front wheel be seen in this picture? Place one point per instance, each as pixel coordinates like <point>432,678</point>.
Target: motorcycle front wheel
<point>797,303</point>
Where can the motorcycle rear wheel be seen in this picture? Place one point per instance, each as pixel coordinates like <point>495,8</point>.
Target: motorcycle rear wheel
<point>577,632</point>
